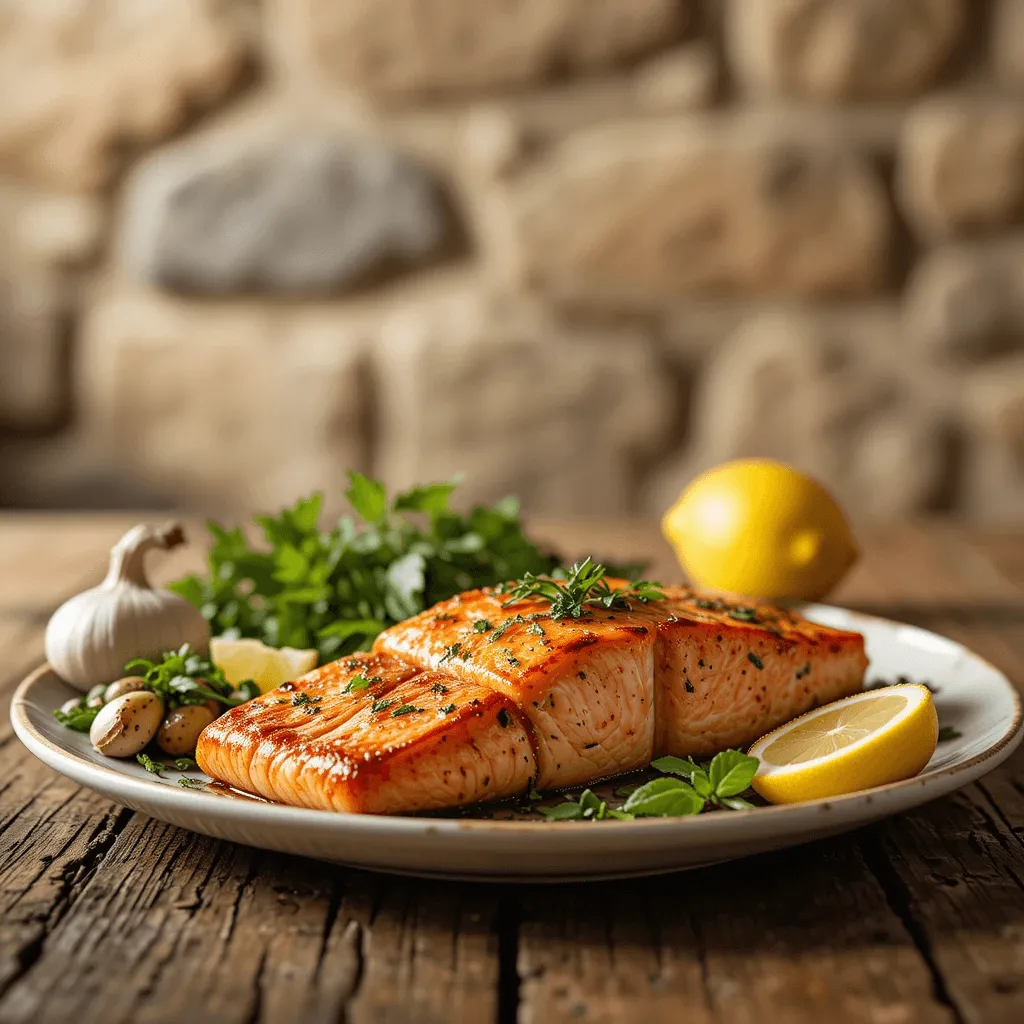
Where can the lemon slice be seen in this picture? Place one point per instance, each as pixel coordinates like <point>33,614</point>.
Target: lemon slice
<point>866,740</point>
<point>266,666</point>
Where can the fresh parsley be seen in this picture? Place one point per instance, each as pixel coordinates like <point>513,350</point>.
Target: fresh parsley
<point>184,677</point>
<point>405,709</point>
<point>80,719</point>
<point>335,589</point>
<point>584,585</point>
<point>151,766</point>
<point>947,732</point>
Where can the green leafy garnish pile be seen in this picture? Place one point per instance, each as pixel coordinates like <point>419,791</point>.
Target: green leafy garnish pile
<point>184,677</point>
<point>335,590</point>
<point>584,584</point>
<point>717,784</point>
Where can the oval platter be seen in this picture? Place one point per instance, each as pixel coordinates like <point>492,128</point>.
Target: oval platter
<point>974,699</point>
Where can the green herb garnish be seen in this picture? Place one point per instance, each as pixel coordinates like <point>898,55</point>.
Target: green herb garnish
<point>80,719</point>
<point>947,732</point>
<point>151,766</point>
<point>190,783</point>
<point>184,764</point>
<point>336,589</point>
<point>482,625</point>
<point>584,585</point>
<point>380,705</point>
<point>719,783</point>
<point>184,677</point>
<point>405,709</point>
<point>446,710</point>
<point>357,683</point>
<point>755,660</point>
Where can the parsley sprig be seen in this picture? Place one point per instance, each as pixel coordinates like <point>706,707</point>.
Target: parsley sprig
<point>584,584</point>
<point>184,677</point>
<point>336,589</point>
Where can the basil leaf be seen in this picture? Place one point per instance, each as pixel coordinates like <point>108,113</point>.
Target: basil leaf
<point>684,766</point>
<point>736,803</point>
<point>590,801</point>
<point>664,798</point>
<point>731,772</point>
<point>569,811</point>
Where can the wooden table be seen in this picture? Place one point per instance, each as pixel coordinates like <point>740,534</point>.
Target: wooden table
<point>109,916</point>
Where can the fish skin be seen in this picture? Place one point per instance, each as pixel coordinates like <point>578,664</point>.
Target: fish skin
<point>580,699</point>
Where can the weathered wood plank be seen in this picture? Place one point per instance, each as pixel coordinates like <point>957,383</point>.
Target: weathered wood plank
<point>801,936</point>
<point>954,869</point>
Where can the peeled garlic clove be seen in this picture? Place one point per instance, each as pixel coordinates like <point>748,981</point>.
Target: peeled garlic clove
<point>91,638</point>
<point>125,725</point>
<point>179,731</point>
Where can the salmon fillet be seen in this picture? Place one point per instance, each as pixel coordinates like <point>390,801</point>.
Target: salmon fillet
<point>497,697</point>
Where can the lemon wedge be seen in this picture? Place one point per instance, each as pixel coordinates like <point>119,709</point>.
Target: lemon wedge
<point>866,740</point>
<point>267,667</point>
<point>761,528</point>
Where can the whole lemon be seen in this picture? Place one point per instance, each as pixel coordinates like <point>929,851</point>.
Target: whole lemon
<point>761,528</point>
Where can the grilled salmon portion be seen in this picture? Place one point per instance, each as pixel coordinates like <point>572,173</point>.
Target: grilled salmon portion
<point>475,698</point>
<point>607,692</point>
<point>586,686</point>
<point>410,740</point>
<point>727,674</point>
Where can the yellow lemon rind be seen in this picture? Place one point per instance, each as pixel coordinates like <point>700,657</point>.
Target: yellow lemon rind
<point>898,751</point>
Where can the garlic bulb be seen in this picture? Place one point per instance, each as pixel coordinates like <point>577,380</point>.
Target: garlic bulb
<point>91,637</point>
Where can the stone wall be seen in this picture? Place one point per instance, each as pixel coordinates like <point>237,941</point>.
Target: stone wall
<point>576,249</point>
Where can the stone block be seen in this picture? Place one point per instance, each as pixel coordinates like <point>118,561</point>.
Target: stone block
<point>644,214</point>
<point>792,387</point>
<point>403,50</point>
<point>834,50</point>
<point>965,304</point>
<point>285,213</point>
<point>236,406</point>
<point>520,403</point>
<point>1008,41</point>
<point>961,167</point>
<point>33,351</point>
<point>87,81</point>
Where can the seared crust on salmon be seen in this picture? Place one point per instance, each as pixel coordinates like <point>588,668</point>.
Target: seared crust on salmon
<point>474,699</point>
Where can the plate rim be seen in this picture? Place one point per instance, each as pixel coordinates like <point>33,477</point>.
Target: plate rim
<point>397,825</point>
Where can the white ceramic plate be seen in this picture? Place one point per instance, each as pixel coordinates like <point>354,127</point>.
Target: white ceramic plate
<point>973,697</point>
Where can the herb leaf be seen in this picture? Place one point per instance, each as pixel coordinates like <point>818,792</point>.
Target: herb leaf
<point>151,766</point>
<point>336,589</point>
<point>731,772</point>
<point>583,585</point>
<point>664,798</point>
<point>569,811</point>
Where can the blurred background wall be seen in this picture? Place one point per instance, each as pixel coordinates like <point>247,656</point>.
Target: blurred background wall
<point>575,249</point>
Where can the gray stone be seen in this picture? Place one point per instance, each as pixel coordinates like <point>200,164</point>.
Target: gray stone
<point>297,214</point>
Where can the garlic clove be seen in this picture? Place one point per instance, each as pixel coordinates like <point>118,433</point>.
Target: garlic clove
<point>91,637</point>
<point>125,725</point>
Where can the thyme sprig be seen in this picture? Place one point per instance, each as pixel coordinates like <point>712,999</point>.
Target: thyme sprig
<point>584,585</point>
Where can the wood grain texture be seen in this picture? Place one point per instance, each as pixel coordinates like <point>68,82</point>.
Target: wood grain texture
<point>917,919</point>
